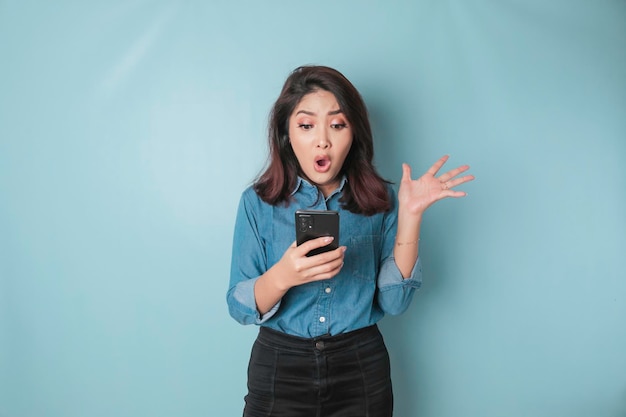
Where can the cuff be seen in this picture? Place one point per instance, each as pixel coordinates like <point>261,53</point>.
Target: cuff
<point>391,277</point>
<point>246,303</point>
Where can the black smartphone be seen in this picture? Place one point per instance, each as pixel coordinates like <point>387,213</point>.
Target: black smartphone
<point>311,224</point>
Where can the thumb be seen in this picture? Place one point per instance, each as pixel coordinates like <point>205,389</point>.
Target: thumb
<point>406,172</point>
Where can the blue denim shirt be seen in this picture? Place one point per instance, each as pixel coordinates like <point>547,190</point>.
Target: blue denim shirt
<point>369,285</point>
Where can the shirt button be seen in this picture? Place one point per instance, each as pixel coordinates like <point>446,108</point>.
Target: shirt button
<point>327,290</point>
<point>322,319</point>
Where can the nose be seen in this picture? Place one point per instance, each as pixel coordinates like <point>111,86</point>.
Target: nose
<point>323,140</point>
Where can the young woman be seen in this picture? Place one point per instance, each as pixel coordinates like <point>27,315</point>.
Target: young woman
<point>319,352</point>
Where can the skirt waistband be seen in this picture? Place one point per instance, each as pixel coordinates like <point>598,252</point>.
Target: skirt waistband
<point>277,339</point>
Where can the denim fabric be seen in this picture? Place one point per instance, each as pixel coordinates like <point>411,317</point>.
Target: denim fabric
<point>369,285</point>
<point>330,376</point>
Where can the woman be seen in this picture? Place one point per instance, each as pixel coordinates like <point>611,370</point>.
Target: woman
<point>319,351</point>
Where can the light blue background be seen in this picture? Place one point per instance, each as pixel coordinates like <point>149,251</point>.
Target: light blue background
<point>128,130</point>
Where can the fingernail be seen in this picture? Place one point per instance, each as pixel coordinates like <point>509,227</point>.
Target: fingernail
<point>328,239</point>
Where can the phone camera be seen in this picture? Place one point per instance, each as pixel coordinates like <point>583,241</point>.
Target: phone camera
<point>306,223</point>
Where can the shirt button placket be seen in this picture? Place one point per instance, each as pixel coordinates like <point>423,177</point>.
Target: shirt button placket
<point>324,307</point>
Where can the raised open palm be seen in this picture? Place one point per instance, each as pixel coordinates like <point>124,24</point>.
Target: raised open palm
<point>417,195</point>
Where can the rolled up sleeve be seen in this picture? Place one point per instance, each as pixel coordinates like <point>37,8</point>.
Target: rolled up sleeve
<point>242,304</point>
<point>395,292</point>
<point>248,263</point>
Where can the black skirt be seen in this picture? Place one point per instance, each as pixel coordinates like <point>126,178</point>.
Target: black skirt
<point>343,376</point>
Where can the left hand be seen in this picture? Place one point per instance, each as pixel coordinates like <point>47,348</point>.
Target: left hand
<point>417,195</point>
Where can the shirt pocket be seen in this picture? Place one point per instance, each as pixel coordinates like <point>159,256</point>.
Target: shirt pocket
<point>361,260</point>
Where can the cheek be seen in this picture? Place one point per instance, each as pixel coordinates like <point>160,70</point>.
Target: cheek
<point>295,137</point>
<point>346,149</point>
<point>297,148</point>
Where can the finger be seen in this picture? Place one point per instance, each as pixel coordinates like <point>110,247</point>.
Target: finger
<point>319,242</point>
<point>437,165</point>
<point>406,172</point>
<point>327,270</point>
<point>459,181</point>
<point>453,194</point>
<point>453,173</point>
<point>308,267</point>
<point>320,266</point>
<point>326,257</point>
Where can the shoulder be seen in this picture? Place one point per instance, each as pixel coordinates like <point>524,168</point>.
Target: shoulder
<point>393,195</point>
<point>250,194</point>
<point>391,189</point>
<point>250,200</point>
<point>247,196</point>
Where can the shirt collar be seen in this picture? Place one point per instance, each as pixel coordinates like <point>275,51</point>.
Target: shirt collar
<point>304,185</point>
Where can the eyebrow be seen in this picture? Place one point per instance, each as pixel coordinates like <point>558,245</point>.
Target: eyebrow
<point>310,113</point>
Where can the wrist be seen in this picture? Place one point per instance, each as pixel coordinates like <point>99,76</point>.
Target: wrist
<point>407,212</point>
<point>409,222</point>
<point>275,279</point>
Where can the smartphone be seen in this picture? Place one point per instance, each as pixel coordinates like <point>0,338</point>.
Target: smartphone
<point>311,224</point>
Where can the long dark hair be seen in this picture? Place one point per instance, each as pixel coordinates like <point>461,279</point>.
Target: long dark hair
<point>365,191</point>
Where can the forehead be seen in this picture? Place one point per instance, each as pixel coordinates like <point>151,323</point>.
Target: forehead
<point>318,99</point>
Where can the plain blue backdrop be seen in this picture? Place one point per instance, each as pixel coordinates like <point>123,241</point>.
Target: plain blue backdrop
<point>128,130</point>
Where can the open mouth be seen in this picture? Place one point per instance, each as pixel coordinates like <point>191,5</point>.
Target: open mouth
<point>322,163</point>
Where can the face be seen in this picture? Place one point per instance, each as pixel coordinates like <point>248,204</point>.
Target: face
<point>320,137</point>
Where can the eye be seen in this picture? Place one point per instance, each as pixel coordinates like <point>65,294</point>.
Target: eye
<point>305,126</point>
<point>338,126</point>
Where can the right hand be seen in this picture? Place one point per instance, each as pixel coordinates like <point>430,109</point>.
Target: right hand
<point>296,268</point>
